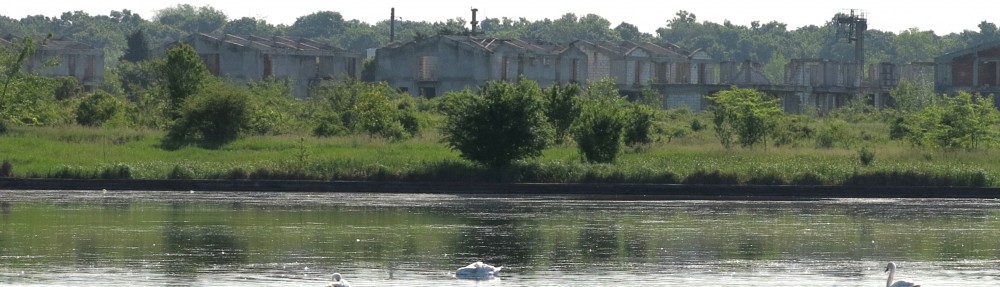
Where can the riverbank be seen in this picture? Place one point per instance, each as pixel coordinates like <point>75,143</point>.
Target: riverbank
<point>622,191</point>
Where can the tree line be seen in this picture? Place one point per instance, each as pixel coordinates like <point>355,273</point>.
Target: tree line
<point>768,43</point>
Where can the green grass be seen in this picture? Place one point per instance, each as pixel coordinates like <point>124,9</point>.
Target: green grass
<point>697,157</point>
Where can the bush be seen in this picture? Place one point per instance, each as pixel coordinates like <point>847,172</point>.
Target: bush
<point>599,131</point>
<point>866,155</point>
<point>180,172</point>
<point>329,126</point>
<point>696,125</point>
<point>637,126</point>
<point>117,171</point>
<point>213,118</point>
<point>6,169</point>
<point>507,123</point>
<point>833,135</point>
<point>748,114</point>
<point>370,108</point>
<point>714,177</point>
<point>562,107</point>
<point>100,108</point>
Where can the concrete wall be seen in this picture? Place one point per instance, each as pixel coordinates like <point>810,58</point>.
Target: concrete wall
<point>459,67</point>
<point>86,65</point>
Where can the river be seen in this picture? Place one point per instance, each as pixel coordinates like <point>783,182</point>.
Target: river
<point>143,238</point>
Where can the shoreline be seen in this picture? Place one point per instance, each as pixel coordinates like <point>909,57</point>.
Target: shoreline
<point>619,191</point>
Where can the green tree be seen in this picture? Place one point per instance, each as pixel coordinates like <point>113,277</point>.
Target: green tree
<point>748,114</point>
<point>138,47</point>
<point>323,24</point>
<point>911,96</point>
<point>599,129</point>
<point>185,74</point>
<point>562,107</point>
<point>215,116</point>
<point>506,123</point>
<point>363,108</point>
<point>963,121</point>
<point>638,125</point>
<point>100,108</point>
<point>187,18</point>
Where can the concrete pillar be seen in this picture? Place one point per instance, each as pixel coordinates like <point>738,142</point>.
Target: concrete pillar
<point>975,71</point>
<point>694,74</point>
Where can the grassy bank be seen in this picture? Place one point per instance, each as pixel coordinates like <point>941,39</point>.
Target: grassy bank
<point>695,157</point>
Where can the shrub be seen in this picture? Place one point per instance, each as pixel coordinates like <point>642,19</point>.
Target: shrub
<point>696,125</point>
<point>866,155</point>
<point>833,135</point>
<point>598,132</point>
<point>6,169</point>
<point>714,177</point>
<point>100,108</point>
<point>638,123</point>
<point>507,123</point>
<point>330,125</point>
<point>180,172</point>
<point>562,107</point>
<point>748,114</point>
<point>117,171</point>
<point>211,119</point>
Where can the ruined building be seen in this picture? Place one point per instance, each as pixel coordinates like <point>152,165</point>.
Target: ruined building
<point>302,62</point>
<point>974,69</point>
<point>63,58</point>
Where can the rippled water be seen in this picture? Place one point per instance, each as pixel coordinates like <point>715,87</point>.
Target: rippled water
<point>226,238</point>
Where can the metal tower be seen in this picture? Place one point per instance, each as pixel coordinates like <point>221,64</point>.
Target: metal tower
<point>852,27</point>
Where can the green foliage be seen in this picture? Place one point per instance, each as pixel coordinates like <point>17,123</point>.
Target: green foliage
<point>651,97</point>
<point>180,172</point>
<point>912,96</point>
<point>791,129</point>
<point>834,134</point>
<point>138,47</point>
<point>191,19</point>
<point>6,169</point>
<point>599,129</point>
<point>562,107</point>
<point>330,125</point>
<point>638,125</point>
<point>748,114</point>
<point>217,115</point>
<point>68,87</point>
<point>100,108</point>
<point>962,121</point>
<point>273,109</point>
<point>505,124</point>
<point>117,171</point>
<point>368,108</point>
<point>185,74</point>
<point>866,156</point>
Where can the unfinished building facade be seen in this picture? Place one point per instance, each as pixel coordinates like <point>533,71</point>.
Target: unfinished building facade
<point>63,58</point>
<point>302,62</point>
<point>975,69</point>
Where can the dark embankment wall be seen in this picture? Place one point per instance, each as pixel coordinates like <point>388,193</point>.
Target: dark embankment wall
<point>595,190</point>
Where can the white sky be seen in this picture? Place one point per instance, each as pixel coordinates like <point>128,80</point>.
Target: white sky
<point>941,16</point>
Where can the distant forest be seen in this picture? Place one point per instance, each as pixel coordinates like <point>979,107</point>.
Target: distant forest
<point>772,43</point>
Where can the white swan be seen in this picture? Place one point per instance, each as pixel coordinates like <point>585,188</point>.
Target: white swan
<point>891,268</point>
<point>478,271</point>
<point>338,281</point>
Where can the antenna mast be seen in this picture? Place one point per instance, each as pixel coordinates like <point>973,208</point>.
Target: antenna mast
<point>853,26</point>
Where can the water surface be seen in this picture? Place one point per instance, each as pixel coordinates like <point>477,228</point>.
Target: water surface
<point>121,238</point>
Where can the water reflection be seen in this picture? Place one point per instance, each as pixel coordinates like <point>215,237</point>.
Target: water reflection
<point>256,238</point>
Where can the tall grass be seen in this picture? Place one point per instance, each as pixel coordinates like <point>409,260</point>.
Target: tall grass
<point>695,158</point>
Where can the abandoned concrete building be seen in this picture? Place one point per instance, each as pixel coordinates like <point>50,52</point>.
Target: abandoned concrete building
<point>440,64</point>
<point>975,69</point>
<point>63,58</point>
<point>302,62</point>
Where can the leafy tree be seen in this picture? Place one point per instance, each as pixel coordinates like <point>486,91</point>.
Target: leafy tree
<point>138,47</point>
<point>638,125</point>
<point>323,24</point>
<point>963,121</point>
<point>368,108</point>
<point>251,26</point>
<point>562,107</point>
<point>185,74</point>
<point>748,114</point>
<point>100,108</point>
<point>506,123</point>
<point>187,18</point>
<point>215,116</point>
<point>599,129</point>
<point>912,96</point>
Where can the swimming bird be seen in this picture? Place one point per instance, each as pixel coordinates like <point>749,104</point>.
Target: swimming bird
<point>478,271</point>
<point>891,268</point>
<point>338,281</point>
